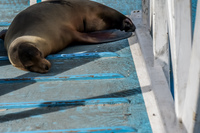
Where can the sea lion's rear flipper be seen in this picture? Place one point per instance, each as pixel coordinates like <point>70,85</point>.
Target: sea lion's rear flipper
<point>3,34</point>
<point>103,36</point>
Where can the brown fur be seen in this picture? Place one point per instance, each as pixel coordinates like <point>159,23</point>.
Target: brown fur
<point>48,27</point>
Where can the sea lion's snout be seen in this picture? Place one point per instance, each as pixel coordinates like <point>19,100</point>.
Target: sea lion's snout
<point>40,65</point>
<point>128,25</point>
<point>45,66</point>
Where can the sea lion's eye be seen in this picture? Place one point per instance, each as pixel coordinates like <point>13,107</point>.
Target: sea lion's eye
<point>29,67</point>
<point>41,54</point>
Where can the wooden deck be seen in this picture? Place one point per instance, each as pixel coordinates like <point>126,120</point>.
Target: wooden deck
<point>90,88</point>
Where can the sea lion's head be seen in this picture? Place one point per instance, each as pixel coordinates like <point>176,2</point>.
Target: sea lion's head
<point>127,25</point>
<point>32,59</point>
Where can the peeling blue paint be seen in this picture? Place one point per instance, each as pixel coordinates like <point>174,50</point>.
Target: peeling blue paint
<point>74,56</point>
<point>121,129</point>
<point>4,24</point>
<point>82,55</point>
<point>63,78</point>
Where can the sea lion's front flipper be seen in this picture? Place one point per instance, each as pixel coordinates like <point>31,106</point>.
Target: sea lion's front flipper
<point>103,36</point>
<point>3,34</point>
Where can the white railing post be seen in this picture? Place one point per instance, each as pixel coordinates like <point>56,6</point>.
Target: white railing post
<point>191,112</point>
<point>179,23</point>
<point>146,11</point>
<point>33,2</point>
<point>160,36</point>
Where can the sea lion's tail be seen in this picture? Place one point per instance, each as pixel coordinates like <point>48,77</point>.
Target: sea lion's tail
<point>102,36</point>
<point>3,34</point>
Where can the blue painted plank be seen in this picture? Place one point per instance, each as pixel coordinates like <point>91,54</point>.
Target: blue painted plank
<point>3,58</point>
<point>4,24</point>
<point>63,103</point>
<point>83,55</point>
<point>75,55</point>
<point>63,78</point>
<point>91,130</point>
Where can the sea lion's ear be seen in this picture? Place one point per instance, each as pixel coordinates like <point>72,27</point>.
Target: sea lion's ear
<point>26,53</point>
<point>128,25</point>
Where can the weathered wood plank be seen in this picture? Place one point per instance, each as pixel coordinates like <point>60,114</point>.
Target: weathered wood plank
<point>62,68</point>
<point>72,117</point>
<point>61,78</point>
<point>80,102</point>
<point>69,90</point>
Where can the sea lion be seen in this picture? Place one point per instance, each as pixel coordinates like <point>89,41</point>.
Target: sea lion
<point>50,26</point>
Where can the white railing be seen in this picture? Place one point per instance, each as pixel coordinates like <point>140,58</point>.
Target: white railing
<point>191,108</point>
<point>170,24</point>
